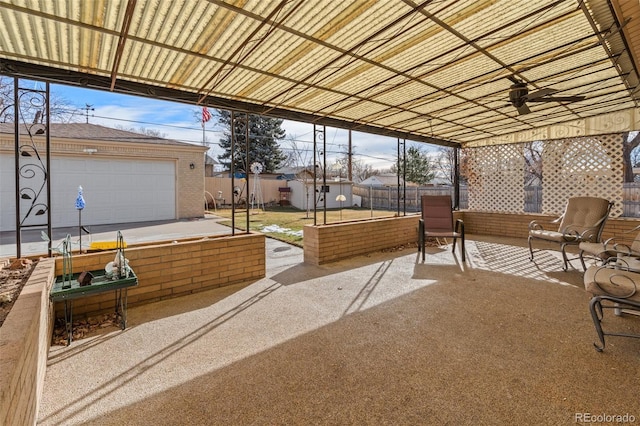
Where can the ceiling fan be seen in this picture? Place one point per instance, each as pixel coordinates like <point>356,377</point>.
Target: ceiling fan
<point>519,96</point>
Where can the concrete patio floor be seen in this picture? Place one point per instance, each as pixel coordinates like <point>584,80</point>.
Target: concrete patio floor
<point>378,339</point>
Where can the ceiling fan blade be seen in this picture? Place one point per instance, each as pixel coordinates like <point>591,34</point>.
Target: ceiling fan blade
<point>540,93</point>
<point>523,109</point>
<point>559,99</point>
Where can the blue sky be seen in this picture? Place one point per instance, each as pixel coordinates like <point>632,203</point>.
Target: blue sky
<point>178,121</point>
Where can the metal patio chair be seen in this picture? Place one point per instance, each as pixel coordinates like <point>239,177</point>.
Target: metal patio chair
<point>437,222</point>
<point>582,221</point>
<point>613,285</point>
<point>613,247</point>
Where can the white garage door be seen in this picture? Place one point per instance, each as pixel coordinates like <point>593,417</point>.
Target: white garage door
<point>115,191</point>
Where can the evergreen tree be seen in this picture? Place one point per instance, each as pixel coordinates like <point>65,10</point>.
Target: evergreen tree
<point>419,168</point>
<point>264,135</point>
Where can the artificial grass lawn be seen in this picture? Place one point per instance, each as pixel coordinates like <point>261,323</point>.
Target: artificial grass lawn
<point>293,220</point>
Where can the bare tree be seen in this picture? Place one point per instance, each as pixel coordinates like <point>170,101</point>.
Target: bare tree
<point>631,140</point>
<point>362,171</point>
<point>60,109</point>
<point>445,164</point>
<point>6,100</point>
<point>143,131</point>
<point>297,156</point>
<point>533,163</point>
<point>300,160</point>
<point>359,169</point>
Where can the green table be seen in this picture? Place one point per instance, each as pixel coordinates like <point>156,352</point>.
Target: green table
<point>62,292</point>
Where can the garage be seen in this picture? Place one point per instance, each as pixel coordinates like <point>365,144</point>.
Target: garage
<point>115,191</point>
<point>123,179</point>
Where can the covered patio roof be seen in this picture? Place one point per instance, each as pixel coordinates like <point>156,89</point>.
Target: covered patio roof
<point>431,71</point>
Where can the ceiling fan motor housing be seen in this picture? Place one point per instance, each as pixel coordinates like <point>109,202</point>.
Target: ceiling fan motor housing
<point>517,92</point>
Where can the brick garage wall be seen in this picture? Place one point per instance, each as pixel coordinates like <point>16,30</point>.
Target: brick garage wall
<point>189,182</point>
<point>24,345</point>
<point>329,243</point>
<point>169,270</point>
<point>190,185</point>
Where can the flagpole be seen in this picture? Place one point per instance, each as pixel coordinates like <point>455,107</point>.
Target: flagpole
<point>206,116</point>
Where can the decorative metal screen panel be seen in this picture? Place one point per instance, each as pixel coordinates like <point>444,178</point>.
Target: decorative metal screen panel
<point>495,175</point>
<point>588,166</point>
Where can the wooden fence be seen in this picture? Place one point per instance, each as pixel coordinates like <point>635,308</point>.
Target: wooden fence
<point>387,198</point>
<point>220,189</point>
<point>631,199</point>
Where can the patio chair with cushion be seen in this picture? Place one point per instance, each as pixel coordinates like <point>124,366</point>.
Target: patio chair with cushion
<point>582,221</point>
<point>437,222</point>
<point>613,286</point>
<point>616,246</point>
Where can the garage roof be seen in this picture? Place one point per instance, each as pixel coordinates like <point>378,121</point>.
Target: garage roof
<point>432,71</point>
<point>86,131</point>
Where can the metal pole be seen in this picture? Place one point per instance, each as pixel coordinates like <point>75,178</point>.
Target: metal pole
<point>246,167</point>
<point>48,144</point>
<point>80,229</point>
<point>371,199</point>
<point>16,130</point>
<point>315,174</point>
<point>456,180</point>
<point>324,173</point>
<point>203,124</point>
<point>233,173</point>
<point>404,178</point>
<point>349,160</point>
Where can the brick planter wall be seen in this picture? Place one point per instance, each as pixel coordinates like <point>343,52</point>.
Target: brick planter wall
<point>25,336</point>
<point>517,224</point>
<point>167,270</point>
<point>503,224</point>
<point>328,243</point>
<point>164,270</point>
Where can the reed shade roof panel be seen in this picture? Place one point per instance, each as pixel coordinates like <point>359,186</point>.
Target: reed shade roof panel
<point>432,71</point>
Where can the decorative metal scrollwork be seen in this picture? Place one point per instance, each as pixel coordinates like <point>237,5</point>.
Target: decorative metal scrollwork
<point>32,171</point>
<point>32,159</point>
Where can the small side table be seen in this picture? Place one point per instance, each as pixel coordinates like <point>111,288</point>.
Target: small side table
<point>99,284</point>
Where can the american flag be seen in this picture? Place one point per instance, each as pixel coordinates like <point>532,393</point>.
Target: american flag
<point>206,115</point>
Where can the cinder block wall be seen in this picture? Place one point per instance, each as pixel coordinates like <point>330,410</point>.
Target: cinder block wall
<point>175,269</point>
<point>332,242</point>
<point>24,344</point>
